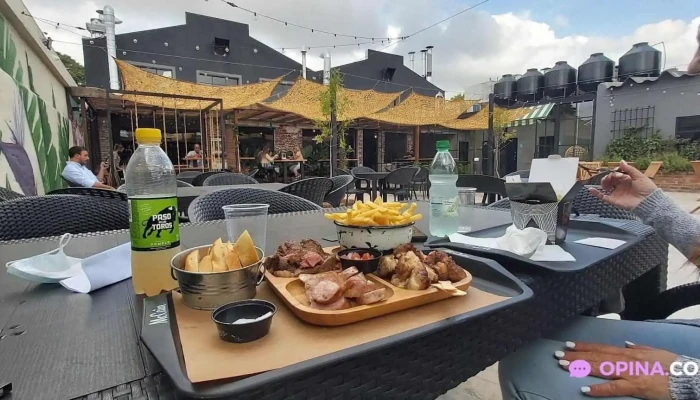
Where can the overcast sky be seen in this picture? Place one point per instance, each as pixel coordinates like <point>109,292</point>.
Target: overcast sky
<point>496,38</point>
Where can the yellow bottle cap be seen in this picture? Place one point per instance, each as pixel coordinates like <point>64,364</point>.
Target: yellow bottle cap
<point>145,135</point>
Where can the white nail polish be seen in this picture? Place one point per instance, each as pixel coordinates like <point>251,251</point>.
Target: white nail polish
<point>585,389</point>
<point>629,344</point>
<point>558,354</point>
<point>570,345</point>
<point>564,363</point>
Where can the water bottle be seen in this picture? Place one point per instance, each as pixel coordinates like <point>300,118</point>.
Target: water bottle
<point>153,214</point>
<point>443,192</point>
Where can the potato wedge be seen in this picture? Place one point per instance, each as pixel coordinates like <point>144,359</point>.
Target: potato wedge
<point>245,250</point>
<point>205,264</point>
<point>192,261</point>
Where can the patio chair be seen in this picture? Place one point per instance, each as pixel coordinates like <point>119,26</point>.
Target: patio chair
<point>229,178</point>
<point>188,176</point>
<point>252,172</point>
<point>523,174</point>
<point>93,192</point>
<point>421,181</point>
<point>653,169</point>
<point>502,204</point>
<point>355,188</point>
<point>199,179</point>
<point>7,194</point>
<point>598,178</point>
<point>60,214</point>
<point>340,185</point>
<point>208,207</point>
<point>402,178</point>
<point>312,189</point>
<point>355,170</point>
<point>69,183</point>
<point>180,184</point>
<point>586,203</point>
<point>490,186</point>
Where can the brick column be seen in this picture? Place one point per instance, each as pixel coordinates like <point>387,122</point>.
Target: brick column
<point>104,138</point>
<point>359,146</point>
<point>231,145</point>
<point>409,143</point>
<point>287,138</point>
<point>380,150</point>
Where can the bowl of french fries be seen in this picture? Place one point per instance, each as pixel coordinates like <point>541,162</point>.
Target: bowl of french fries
<point>210,276</point>
<point>376,224</point>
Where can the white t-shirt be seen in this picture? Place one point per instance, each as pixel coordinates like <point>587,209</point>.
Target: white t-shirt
<point>79,174</point>
<point>192,153</point>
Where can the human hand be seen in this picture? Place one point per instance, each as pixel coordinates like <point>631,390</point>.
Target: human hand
<point>623,383</point>
<point>626,187</point>
<point>104,165</point>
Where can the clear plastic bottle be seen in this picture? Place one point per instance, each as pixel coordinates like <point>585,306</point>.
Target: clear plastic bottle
<point>443,192</point>
<point>155,233</point>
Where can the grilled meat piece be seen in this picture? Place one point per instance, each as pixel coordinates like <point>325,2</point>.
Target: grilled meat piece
<point>356,286</point>
<point>445,266</point>
<point>312,246</point>
<point>324,288</point>
<point>310,260</point>
<point>340,304</point>
<point>372,297</point>
<point>348,272</point>
<point>287,248</point>
<point>292,259</point>
<point>387,265</point>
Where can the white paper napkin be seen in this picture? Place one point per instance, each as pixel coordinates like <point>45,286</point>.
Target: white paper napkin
<point>602,242</point>
<point>102,269</point>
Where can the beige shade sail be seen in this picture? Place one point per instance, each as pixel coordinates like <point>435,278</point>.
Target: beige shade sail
<point>234,97</point>
<point>480,120</point>
<point>417,109</point>
<point>304,99</point>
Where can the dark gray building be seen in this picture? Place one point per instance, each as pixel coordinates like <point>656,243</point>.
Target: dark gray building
<point>669,104</point>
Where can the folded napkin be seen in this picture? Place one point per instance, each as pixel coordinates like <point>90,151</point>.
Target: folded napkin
<point>528,243</point>
<point>50,267</point>
<point>102,269</point>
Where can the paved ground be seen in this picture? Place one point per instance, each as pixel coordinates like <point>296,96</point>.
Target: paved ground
<point>485,386</point>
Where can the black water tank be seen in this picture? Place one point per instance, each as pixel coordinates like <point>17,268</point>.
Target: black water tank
<point>641,60</point>
<point>531,85</point>
<point>505,90</point>
<point>594,71</point>
<point>560,81</point>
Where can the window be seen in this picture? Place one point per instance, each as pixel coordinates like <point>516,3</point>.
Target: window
<point>545,146</point>
<point>688,127</point>
<point>162,70</point>
<point>218,79</point>
<point>463,151</point>
<point>640,120</point>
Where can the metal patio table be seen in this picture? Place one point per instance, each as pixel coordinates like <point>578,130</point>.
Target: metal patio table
<point>59,345</point>
<point>374,178</point>
<point>186,195</point>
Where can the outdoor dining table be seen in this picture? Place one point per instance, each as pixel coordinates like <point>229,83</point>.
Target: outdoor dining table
<point>286,164</point>
<point>186,195</point>
<point>59,345</point>
<point>374,178</point>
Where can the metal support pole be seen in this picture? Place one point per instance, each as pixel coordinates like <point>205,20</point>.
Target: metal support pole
<point>489,166</point>
<point>221,136</point>
<point>334,139</point>
<point>591,155</point>
<point>109,128</point>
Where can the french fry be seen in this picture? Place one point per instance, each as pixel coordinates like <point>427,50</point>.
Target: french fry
<point>377,213</point>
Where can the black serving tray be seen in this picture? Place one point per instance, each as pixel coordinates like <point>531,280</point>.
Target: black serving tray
<point>585,255</point>
<point>160,334</point>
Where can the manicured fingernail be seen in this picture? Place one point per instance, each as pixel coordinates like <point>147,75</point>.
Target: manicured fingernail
<point>585,389</point>
<point>564,363</point>
<point>629,344</point>
<point>558,354</point>
<point>570,345</point>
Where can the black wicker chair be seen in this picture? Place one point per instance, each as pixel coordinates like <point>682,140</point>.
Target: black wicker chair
<point>229,178</point>
<point>209,206</point>
<point>598,178</point>
<point>188,176</point>
<point>59,214</point>
<point>488,185</point>
<point>7,194</point>
<point>252,172</point>
<point>93,192</point>
<point>586,203</point>
<point>523,174</point>
<point>312,189</point>
<point>70,184</point>
<point>402,178</point>
<point>180,184</point>
<point>421,182</point>
<point>199,179</point>
<point>340,185</point>
<point>355,188</point>
<point>502,204</point>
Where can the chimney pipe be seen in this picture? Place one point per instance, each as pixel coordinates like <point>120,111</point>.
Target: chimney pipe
<point>303,62</point>
<point>424,61</point>
<point>429,64</point>
<point>327,68</point>
<point>411,59</point>
<point>110,21</point>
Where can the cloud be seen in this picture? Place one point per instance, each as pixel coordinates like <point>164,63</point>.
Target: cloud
<point>469,49</point>
<point>561,21</point>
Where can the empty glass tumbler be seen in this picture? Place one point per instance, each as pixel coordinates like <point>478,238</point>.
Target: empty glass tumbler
<point>465,210</point>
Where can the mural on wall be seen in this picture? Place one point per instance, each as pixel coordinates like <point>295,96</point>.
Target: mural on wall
<point>34,134</point>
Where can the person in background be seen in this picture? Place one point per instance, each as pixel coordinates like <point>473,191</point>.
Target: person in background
<point>694,66</point>
<point>194,157</point>
<point>267,159</point>
<point>597,340</point>
<point>117,156</point>
<point>296,167</point>
<point>77,173</point>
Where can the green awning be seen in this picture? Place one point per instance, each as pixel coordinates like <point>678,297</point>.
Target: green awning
<point>535,112</point>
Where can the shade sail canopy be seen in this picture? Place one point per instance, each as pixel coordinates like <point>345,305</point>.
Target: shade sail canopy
<point>417,109</point>
<point>480,120</point>
<point>304,99</point>
<point>137,80</point>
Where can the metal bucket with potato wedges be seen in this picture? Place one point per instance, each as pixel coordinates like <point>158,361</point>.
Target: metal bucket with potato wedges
<point>213,275</point>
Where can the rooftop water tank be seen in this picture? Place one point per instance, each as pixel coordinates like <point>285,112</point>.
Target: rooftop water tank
<point>531,86</point>
<point>505,90</point>
<point>560,81</point>
<point>641,60</point>
<point>594,71</point>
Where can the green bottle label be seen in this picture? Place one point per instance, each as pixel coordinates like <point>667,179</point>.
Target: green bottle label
<point>154,223</point>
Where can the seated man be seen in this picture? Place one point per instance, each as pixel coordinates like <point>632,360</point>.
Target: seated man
<point>194,157</point>
<point>77,173</point>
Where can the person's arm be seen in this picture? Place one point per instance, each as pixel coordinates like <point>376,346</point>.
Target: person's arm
<point>685,387</point>
<point>101,174</point>
<point>100,185</point>
<point>672,223</point>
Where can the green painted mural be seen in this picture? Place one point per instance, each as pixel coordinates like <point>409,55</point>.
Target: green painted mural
<point>34,136</point>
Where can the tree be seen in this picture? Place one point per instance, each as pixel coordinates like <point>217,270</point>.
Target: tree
<point>75,69</point>
<point>459,96</point>
<point>501,135</point>
<point>332,94</point>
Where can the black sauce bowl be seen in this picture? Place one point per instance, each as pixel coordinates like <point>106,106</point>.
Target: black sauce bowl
<point>364,266</point>
<point>226,315</point>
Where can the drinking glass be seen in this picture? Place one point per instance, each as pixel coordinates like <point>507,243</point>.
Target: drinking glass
<point>465,210</point>
<point>250,217</point>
